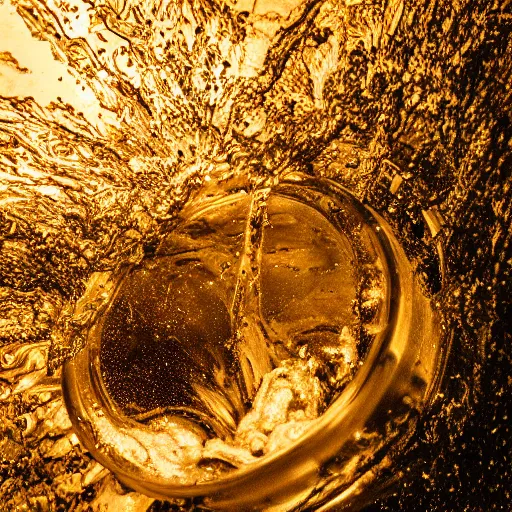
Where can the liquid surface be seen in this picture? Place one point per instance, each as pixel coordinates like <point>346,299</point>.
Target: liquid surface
<point>241,326</point>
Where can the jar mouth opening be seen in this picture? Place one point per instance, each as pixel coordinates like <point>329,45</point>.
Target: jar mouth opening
<point>381,374</point>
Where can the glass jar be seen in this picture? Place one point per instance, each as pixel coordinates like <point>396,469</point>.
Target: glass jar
<point>165,369</point>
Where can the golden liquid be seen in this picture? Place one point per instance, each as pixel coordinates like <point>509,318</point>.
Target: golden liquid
<point>113,118</point>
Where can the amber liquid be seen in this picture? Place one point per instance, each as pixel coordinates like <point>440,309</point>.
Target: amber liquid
<point>245,309</point>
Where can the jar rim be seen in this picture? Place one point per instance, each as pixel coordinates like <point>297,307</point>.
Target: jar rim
<point>411,334</point>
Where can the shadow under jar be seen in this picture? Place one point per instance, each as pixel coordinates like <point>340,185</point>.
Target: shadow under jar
<point>275,352</point>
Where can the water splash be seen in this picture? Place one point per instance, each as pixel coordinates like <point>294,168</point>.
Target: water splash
<point>165,96</point>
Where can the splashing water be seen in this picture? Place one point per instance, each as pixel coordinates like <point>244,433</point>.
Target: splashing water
<point>115,117</point>
<point>150,103</point>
